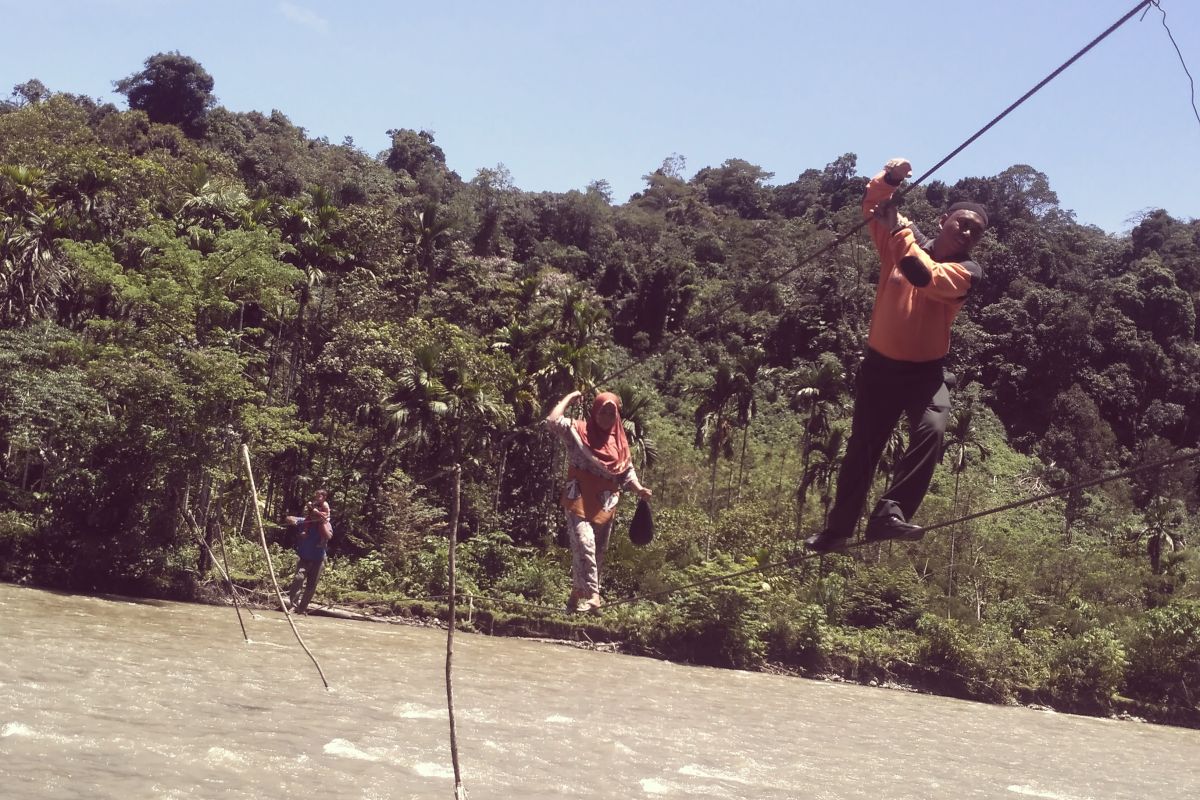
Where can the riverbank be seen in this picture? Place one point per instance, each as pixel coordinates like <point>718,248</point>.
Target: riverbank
<point>610,633</point>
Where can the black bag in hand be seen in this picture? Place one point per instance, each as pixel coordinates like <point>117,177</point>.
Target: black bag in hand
<point>641,529</point>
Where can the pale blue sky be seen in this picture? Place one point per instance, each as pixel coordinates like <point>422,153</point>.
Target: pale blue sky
<point>564,93</point>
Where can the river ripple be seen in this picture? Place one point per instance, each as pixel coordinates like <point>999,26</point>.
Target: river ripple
<point>104,697</point>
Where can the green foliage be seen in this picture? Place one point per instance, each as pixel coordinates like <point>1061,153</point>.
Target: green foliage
<point>18,533</point>
<point>871,654</point>
<point>947,647</point>
<point>881,597</point>
<point>1087,670</point>
<point>1164,655</point>
<point>342,577</point>
<point>172,89</point>
<point>798,633</point>
<point>179,279</point>
<point>719,624</point>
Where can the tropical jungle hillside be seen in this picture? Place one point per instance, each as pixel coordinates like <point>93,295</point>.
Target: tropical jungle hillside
<point>178,279</point>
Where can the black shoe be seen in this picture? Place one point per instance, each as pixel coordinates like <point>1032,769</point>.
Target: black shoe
<point>825,541</point>
<point>892,527</point>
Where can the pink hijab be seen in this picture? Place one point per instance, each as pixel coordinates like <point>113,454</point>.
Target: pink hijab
<point>610,448</point>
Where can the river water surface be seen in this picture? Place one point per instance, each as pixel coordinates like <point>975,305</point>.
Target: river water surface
<point>104,697</point>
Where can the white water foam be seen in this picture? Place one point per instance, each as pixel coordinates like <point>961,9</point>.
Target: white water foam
<point>219,755</point>
<point>25,732</point>
<point>428,770</point>
<point>559,719</point>
<point>344,749</point>
<point>15,729</point>
<point>413,711</point>
<point>652,786</point>
<point>1029,791</point>
<point>697,771</point>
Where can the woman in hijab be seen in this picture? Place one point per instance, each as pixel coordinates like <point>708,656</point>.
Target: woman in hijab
<point>600,467</point>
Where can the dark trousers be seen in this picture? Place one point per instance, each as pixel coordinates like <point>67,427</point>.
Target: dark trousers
<point>885,390</point>
<point>308,572</point>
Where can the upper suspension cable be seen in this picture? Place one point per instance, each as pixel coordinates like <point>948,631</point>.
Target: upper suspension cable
<point>714,317</point>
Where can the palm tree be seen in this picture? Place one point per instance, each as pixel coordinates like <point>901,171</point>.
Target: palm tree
<point>31,272</point>
<point>961,438</point>
<point>310,226</point>
<point>443,409</point>
<point>208,202</point>
<point>428,230</point>
<point>525,386</point>
<point>820,389</point>
<point>713,430</point>
<point>475,414</point>
<point>421,399</point>
<point>574,359</point>
<point>750,371</point>
<point>1164,520</point>
<point>634,404</point>
<point>826,455</point>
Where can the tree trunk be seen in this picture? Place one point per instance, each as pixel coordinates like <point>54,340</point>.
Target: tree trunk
<point>953,542</point>
<point>742,463</point>
<point>459,790</point>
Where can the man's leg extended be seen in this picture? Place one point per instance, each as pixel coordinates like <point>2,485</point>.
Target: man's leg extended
<point>877,409</point>
<point>928,413</point>
<point>312,575</point>
<point>297,582</point>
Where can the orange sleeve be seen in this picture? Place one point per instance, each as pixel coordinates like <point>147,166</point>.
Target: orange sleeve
<point>878,190</point>
<point>947,282</point>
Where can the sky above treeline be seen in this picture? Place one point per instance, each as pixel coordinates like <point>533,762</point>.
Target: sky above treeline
<point>566,93</point>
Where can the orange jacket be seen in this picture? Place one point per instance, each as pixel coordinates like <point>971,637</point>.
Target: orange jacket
<point>911,322</point>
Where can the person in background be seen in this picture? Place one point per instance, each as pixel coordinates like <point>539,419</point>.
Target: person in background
<point>315,533</point>
<point>923,284</point>
<point>600,467</point>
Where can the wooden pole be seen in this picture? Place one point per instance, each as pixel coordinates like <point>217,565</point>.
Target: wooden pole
<point>262,535</point>
<point>460,791</point>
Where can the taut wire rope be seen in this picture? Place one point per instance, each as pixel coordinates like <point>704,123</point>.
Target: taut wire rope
<point>1183,63</point>
<point>797,559</point>
<point>836,242</point>
<point>714,317</point>
<point>793,560</point>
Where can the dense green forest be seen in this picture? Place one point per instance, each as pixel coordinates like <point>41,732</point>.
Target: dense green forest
<point>177,280</point>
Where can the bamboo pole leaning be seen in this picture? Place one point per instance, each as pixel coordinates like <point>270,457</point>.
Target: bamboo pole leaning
<point>460,791</point>
<point>271,565</point>
<point>223,569</point>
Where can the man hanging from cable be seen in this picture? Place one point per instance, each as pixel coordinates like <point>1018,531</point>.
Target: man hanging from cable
<point>923,284</point>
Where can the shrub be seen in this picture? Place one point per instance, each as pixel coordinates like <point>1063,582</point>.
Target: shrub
<point>1164,656</point>
<point>487,557</point>
<point>535,578</point>
<point>718,624</point>
<point>18,534</point>
<point>745,528</point>
<point>797,633</point>
<point>371,573</point>
<point>880,596</point>
<point>947,648</point>
<point>427,574</point>
<point>1086,670</point>
<point>871,653</point>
